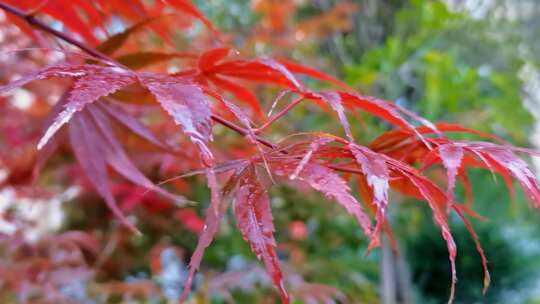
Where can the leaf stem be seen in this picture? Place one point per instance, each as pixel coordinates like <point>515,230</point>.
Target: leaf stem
<point>285,110</point>
<point>240,130</point>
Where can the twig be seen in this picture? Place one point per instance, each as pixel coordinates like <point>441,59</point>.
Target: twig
<point>285,110</point>
<point>32,20</point>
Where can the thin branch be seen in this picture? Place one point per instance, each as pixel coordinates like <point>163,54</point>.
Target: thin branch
<point>33,21</point>
<point>240,130</point>
<point>285,110</point>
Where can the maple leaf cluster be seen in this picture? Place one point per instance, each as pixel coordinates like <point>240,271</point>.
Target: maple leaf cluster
<point>109,95</point>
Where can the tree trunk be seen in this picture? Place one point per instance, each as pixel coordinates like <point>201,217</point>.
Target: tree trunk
<point>395,279</point>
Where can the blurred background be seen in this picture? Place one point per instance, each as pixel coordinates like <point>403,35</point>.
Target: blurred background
<point>472,62</point>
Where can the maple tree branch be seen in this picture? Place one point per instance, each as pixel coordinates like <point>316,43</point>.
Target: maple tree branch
<point>33,21</point>
<point>267,143</point>
<point>240,130</point>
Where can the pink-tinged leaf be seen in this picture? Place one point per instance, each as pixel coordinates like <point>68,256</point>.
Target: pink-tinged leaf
<point>408,181</point>
<point>276,101</point>
<point>436,199</point>
<point>483,160</point>
<point>86,146</point>
<point>520,170</point>
<point>451,157</point>
<point>304,70</point>
<point>334,100</point>
<point>502,160</point>
<point>239,114</point>
<point>313,147</point>
<point>131,123</point>
<point>313,293</point>
<point>48,150</point>
<point>44,154</point>
<point>187,7</point>
<point>214,188</point>
<point>468,211</point>
<point>393,138</point>
<point>209,58</point>
<point>240,92</point>
<point>496,158</point>
<point>218,168</point>
<point>211,227</point>
<point>377,177</point>
<point>376,107</point>
<point>326,181</point>
<point>116,156</point>
<point>386,111</point>
<point>57,70</point>
<point>242,117</point>
<point>254,220</point>
<point>96,147</point>
<point>466,182</point>
<point>494,167</point>
<point>428,124</point>
<point>190,109</point>
<point>448,127</point>
<point>487,277</point>
<point>85,91</point>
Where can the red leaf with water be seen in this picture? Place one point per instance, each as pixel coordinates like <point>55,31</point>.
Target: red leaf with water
<point>188,106</point>
<point>377,177</point>
<point>452,157</point>
<point>254,220</point>
<point>116,156</point>
<point>330,184</point>
<point>132,123</point>
<point>377,107</point>
<point>335,102</point>
<point>87,149</point>
<point>214,215</point>
<point>436,200</point>
<point>86,90</point>
<point>57,70</point>
<point>487,277</point>
<point>505,161</point>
